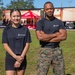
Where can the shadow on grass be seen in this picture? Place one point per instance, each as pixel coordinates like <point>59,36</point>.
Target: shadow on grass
<point>68,74</point>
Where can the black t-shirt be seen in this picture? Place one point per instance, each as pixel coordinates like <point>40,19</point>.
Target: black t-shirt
<point>49,27</point>
<point>16,38</point>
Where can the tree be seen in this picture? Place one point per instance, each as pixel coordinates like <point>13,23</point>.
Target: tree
<point>1,8</point>
<point>21,4</point>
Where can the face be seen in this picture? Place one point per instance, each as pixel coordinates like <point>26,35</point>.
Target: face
<point>49,9</point>
<point>15,17</point>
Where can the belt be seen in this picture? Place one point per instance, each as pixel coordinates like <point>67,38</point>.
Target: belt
<point>52,46</point>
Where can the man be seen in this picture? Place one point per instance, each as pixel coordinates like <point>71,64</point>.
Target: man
<point>50,31</point>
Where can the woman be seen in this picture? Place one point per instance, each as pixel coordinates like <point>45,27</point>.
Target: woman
<point>16,39</point>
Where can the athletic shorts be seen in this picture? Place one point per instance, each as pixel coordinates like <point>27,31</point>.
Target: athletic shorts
<point>9,64</point>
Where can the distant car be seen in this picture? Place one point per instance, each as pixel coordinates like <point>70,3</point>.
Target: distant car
<point>70,25</point>
<point>1,24</point>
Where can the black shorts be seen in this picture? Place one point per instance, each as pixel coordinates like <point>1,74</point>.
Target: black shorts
<point>9,64</point>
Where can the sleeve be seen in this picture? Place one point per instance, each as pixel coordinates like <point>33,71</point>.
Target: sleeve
<point>28,36</point>
<point>62,26</point>
<point>39,25</point>
<point>4,36</point>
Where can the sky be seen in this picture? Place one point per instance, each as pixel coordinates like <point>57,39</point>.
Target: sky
<point>57,3</point>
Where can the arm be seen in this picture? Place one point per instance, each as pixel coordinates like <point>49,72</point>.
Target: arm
<point>44,37</point>
<point>17,64</point>
<point>61,36</point>
<point>8,49</point>
<point>25,50</point>
<point>28,41</point>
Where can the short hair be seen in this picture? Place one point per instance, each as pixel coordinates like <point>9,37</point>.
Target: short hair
<point>48,3</point>
<point>12,10</point>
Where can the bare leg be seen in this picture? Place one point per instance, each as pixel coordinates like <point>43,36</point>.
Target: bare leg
<point>10,72</point>
<point>20,72</point>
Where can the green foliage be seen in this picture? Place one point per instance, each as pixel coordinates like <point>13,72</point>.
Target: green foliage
<point>21,4</point>
<point>68,47</point>
<point>0,14</point>
<point>2,8</point>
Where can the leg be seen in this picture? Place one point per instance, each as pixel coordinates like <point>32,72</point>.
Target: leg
<point>9,66</point>
<point>10,72</point>
<point>20,72</point>
<point>22,68</point>
<point>44,60</point>
<point>58,62</point>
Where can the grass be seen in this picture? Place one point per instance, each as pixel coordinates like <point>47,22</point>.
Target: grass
<point>67,46</point>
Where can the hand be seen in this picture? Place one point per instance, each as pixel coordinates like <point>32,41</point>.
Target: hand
<point>57,34</point>
<point>17,64</point>
<point>19,58</point>
<point>42,34</point>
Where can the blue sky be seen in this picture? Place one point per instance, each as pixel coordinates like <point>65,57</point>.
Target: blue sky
<point>57,3</point>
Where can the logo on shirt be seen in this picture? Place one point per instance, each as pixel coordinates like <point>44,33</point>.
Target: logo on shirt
<point>21,34</point>
<point>55,25</point>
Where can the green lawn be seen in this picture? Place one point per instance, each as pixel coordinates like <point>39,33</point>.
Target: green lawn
<point>68,47</point>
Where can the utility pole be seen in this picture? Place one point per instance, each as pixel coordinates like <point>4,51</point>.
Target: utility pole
<point>1,4</point>
<point>61,3</point>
